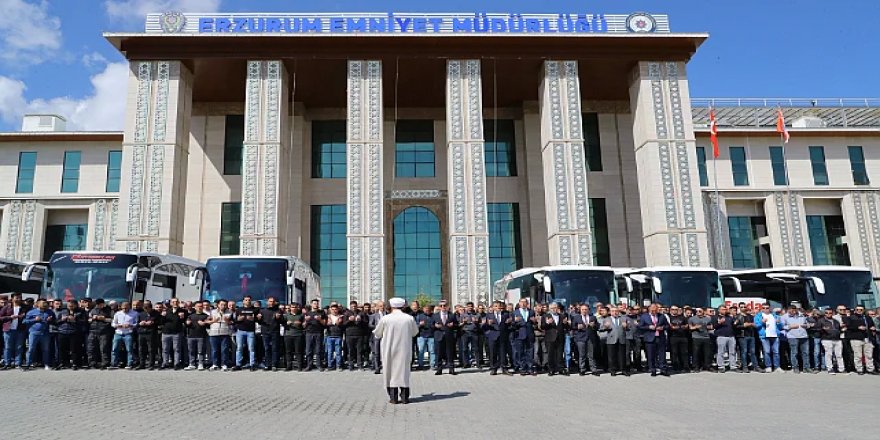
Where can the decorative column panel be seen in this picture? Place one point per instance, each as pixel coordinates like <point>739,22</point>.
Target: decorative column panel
<point>786,222</point>
<point>564,164</point>
<point>106,215</point>
<point>155,150</point>
<point>860,214</point>
<point>266,160</point>
<point>20,230</point>
<point>365,193</point>
<point>468,233</point>
<point>673,221</point>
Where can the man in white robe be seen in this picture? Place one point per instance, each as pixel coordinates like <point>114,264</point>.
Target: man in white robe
<point>396,330</point>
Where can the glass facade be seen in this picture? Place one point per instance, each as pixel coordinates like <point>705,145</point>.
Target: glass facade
<point>328,149</point>
<point>230,228</point>
<point>599,227</point>
<point>817,161</point>
<point>777,162</point>
<point>499,148</point>
<point>738,166</point>
<point>701,166</point>
<point>70,174</point>
<point>233,145</point>
<point>592,141</point>
<point>417,263</point>
<point>857,164</point>
<point>826,246</point>
<point>745,250</point>
<point>414,148</point>
<point>27,166</point>
<point>330,251</point>
<point>64,238</point>
<point>505,247</point>
<point>114,171</point>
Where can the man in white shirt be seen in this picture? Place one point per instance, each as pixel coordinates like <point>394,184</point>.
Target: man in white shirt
<point>124,323</point>
<point>767,324</point>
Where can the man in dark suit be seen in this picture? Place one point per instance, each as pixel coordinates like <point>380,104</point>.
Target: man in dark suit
<point>444,324</point>
<point>555,324</point>
<point>653,327</point>
<point>583,324</point>
<point>495,327</point>
<point>375,343</point>
<point>523,337</point>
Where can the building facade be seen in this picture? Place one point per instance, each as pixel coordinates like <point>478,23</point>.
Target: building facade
<point>434,162</point>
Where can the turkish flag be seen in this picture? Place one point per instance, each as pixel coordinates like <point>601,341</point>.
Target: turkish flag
<point>780,125</point>
<point>713,133</point>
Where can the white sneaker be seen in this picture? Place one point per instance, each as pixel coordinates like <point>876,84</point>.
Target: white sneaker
<point>47,368</point>
<point>779,370</point>
<point>768,370</point>
<point>201,367</point>
<point>189,368</point>
<point>214,368</point>
<point>831,372</point>
<point>225,368</point>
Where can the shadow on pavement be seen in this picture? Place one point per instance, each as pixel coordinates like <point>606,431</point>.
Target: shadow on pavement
<point>431,396</point>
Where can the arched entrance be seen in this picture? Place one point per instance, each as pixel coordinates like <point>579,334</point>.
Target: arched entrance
<point>417,258</point>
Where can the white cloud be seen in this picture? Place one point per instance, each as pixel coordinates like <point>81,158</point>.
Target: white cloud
<point>28,34</point>
<point>133,12</point>
<point>94,60</point>
<point>103,109</point>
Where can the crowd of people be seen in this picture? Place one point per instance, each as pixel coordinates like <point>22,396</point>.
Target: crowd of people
<point>523,339</point>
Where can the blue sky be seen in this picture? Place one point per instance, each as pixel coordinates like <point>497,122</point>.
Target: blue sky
<point>53,58</point>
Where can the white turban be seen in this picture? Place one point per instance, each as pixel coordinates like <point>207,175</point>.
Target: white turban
<point>397,303</point>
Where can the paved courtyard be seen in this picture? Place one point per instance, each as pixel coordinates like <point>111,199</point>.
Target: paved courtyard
<point>342,405</point>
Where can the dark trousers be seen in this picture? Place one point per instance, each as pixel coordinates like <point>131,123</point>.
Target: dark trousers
<point>523,354</point>
<point>679,346</point>
<point>146,349</point>
<point>616,354</point>
<point>444,349</point>
<point>375,347</point>
<point>271,349</point>
<point>468,348</point>
<point>634,353</point>
<point>600,352</point>
<point>294,348</point>
<point>70,346</point>
<point>354,345</point>
<point>538,353</point>
<point>99,349</point>
<point>497,353</point>
<point>314,349</point>
<point>702,354</point>
<point>586,358</point>
<point>656,351</point>
<point>554,353</point>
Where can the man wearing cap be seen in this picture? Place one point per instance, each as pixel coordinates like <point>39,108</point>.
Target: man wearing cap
<point>396,331</point>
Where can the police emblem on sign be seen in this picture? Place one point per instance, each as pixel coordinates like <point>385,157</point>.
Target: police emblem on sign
<point>172,21</point>
<point>641,22</point>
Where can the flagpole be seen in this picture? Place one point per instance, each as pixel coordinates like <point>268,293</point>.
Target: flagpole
<point>720,230</point>
<point>780,127</point>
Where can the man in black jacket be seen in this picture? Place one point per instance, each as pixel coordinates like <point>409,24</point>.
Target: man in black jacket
<point>555,325</point>
<point>315,320</point>
<point>148,323</point>
<point>70,322</point>
<point>357,326</point>
<point>495,327</point>
<point>100,335</point>
<point>444,325</point>
<point>197,336</point>
<point>294,337</point>
<point>173,319</point>
<point>860,331</point>
<point>270,319</point>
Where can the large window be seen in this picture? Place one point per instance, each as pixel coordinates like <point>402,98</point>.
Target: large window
<point>414,150</point>
<point>777,162</point>
<point>233,145</point>
<point>817,161</point>
<point>504,239</point>
<point>230,228</point>
<point>738,166</point>
<point>743,244</point>
<point>70,174</point>
<point>857,164</point>
<point>329,251</point>
<point>328,149</point>
<point>27,166</point>
<point>599,228</point>
<point>64,238</point>
<point>500,151</point>
<point>417,264</point>
<point>826,247</point>
<point>114,170</point>
<point>592,144</point>
<point>701,166</point>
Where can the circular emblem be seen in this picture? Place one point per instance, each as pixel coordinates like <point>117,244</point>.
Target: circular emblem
<point>641,22</point>
<point>172,21</point>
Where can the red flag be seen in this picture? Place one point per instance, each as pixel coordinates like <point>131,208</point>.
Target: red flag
<point>713,133</point>
<point>780,126</point>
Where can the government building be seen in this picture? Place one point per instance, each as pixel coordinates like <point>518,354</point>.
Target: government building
<point>433,153</point>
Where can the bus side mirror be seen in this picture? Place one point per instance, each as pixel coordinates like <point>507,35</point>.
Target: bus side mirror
<point>820,285</point>
<point>290,279</point>
<point>26,275</point>
<point>737,284</point>
<point>546,282</point>
<point>194,275</point>
<point>629,284</point>
<point>131,273</point>
<point>658,286</point>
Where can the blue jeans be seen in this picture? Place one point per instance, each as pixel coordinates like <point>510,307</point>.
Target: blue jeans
<point>334,352</point>
<point>114,352</point>
<point>425,344</point>
<point>818,359</point>
<point>771,346</point>
<point>13,341</point>
<point>747,352</point>
<point>799,346</point>
<point>41,340</point>
<point>567,350</point>
<point>242,338</point>
<point>220,350</point>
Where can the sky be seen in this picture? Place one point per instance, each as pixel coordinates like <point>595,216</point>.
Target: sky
<point>53,57</point>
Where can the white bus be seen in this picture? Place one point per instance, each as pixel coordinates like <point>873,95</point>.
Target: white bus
<point>562,284</point>
<point>12,280</point>
<point>117,276</point>
<point>233,277</point>
<point>806,286</point>
<point>693,286</point>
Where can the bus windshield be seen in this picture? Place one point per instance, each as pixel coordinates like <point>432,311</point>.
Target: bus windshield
<point>582,286</point>
<point>847,287</point>
<point>232,279</point>
<point>78,276</point>
<point>681,288</point>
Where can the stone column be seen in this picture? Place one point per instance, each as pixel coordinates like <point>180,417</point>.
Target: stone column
<point>365,193</point>
<point>673,222</point>
<point>784,220</point>
<point>155,150</point>
<point>266,160</point>
<point>564,164</point>
<point>468,232</point>
<point>22,219</point>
